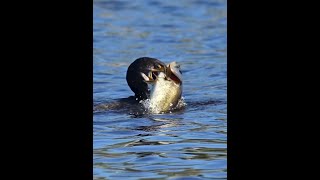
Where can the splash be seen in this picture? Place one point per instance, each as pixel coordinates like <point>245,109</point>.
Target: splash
<point>182,103</point>
<point>146,104</point>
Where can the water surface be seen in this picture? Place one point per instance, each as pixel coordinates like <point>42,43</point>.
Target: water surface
<point>186,144</point>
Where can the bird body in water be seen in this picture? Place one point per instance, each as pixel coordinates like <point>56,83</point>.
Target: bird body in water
<point>165,82</point>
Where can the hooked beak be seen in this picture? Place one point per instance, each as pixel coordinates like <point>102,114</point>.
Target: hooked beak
<point>171,71</point>
<point>154,72</point>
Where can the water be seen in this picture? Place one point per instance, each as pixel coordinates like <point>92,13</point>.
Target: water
<point>189,143</point>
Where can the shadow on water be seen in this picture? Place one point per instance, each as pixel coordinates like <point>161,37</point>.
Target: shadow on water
<point>159,123</point>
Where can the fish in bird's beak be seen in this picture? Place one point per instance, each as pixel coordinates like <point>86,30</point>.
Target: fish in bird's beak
<point>167,87</point>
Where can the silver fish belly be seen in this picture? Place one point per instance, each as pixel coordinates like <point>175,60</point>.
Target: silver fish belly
<point>165,94</point>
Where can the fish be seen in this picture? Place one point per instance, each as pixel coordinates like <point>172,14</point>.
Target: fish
<point>166,88</point>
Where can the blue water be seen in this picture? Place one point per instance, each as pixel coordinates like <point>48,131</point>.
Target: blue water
<point>186,144</point>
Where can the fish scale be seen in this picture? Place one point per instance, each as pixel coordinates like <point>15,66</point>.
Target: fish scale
<point>165,94</point>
